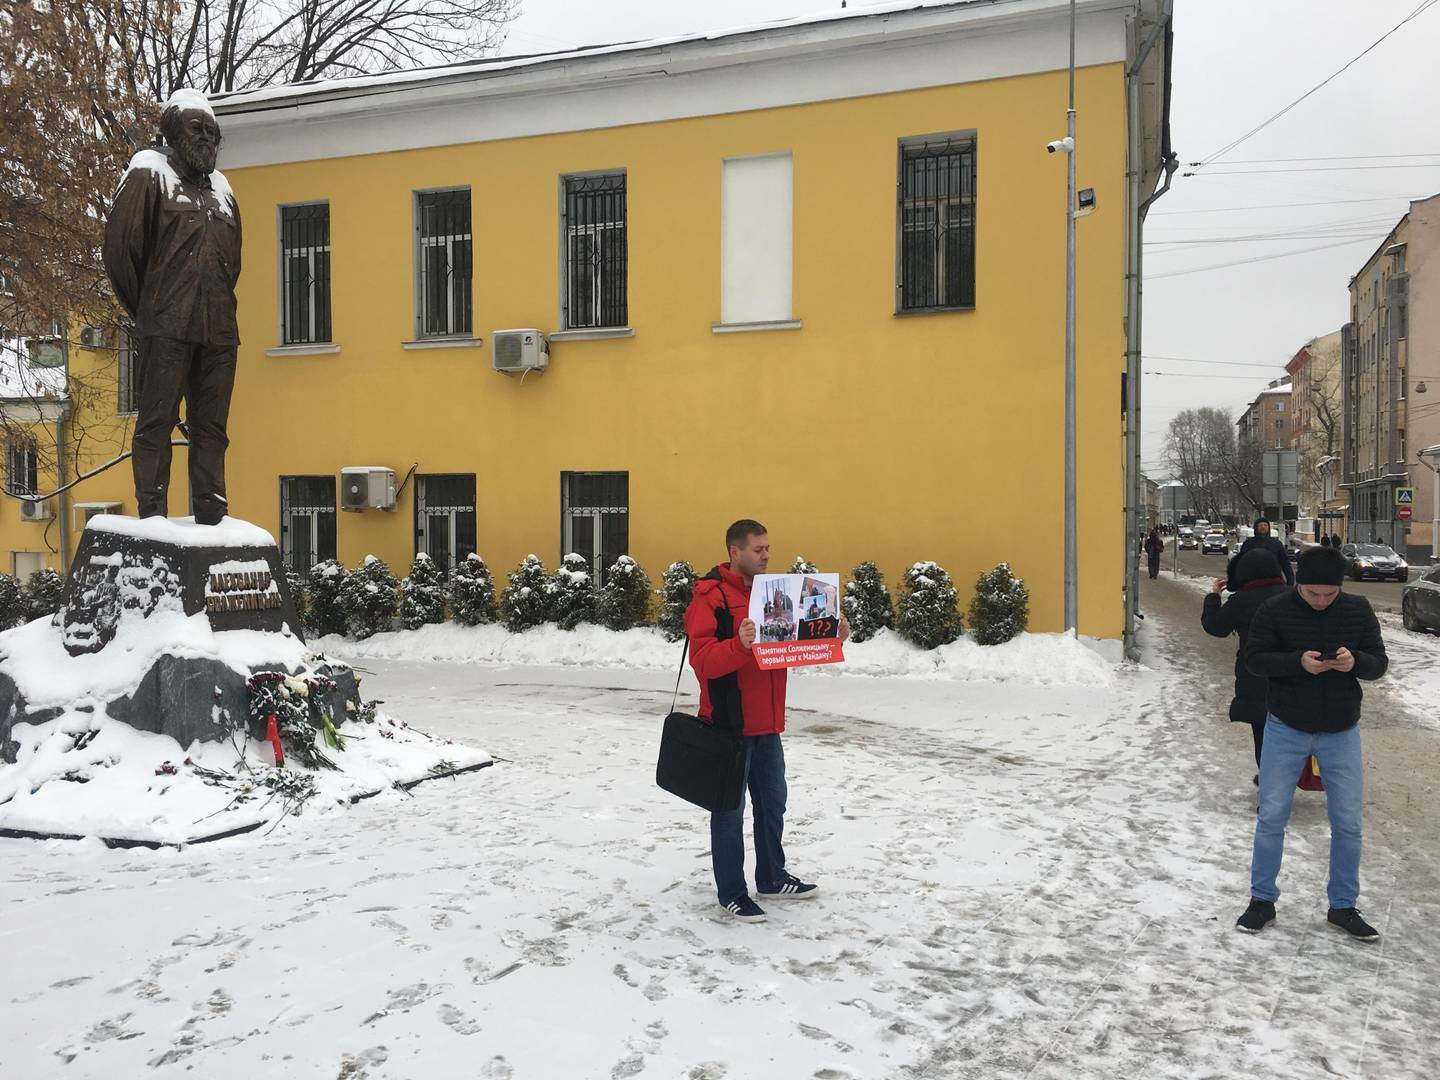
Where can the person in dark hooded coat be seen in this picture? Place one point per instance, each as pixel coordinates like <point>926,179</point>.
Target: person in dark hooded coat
<point>1265,540</point>
<point>1254,577</point>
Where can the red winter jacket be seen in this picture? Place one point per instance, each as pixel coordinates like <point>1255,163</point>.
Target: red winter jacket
<point>762,693</point>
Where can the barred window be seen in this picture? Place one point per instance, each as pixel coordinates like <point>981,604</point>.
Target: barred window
<point>596,251</point>
<point>936,219</point>
<point>22,467</point>
<point>444,262</point>
<point>305,273</point>
<point>595,518</point>
<point>130,375</point>
<point>445,517</point>
<point>307,521</point>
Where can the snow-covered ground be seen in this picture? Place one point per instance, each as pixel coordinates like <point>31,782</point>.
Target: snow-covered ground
<point>1024,876</point>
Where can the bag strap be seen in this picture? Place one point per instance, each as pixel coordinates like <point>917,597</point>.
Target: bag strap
<point>680,674</point>
<point>685,652</point>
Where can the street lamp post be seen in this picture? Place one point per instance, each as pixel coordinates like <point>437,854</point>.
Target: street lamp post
<point>1072,560</point>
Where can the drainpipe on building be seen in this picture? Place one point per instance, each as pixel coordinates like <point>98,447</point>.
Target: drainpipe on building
<point>62,498</point>
<point>1134,495</point>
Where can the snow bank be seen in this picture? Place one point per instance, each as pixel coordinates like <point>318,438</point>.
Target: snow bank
<point>84,774</point>
<point>1041,659</point>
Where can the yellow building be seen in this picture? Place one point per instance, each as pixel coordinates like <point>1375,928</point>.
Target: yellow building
<point>811,273</point>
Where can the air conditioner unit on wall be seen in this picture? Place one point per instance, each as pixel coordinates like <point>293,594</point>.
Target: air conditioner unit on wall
<point>34,511</point>
<point>94,337</point>
<point>519,350</point>
<point>367,487</point>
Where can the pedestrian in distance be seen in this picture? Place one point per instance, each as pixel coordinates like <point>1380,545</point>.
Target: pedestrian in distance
<point>1254,578</point>
<point>1313,645</point>
<point>1265,540</point>
<point>1325,541</point>
<point>1335,540</point>
<point>1154,548</point>
<point>735,690</point>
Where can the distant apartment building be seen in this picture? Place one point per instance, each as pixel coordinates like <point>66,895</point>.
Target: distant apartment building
<point>1315,412</point>
<point>1269,423</point>
<point>1390,382</point>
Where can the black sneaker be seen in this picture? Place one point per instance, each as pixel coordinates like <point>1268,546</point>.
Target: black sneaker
<point>1260,914</point>
<point>1349,920</point>
<point>744,909</point>
<point>789,887</point>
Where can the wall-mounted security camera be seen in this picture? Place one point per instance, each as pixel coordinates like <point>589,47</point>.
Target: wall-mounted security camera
<point>1067,144</point>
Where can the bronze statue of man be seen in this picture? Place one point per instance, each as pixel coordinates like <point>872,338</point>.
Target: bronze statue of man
<point>172,250</point>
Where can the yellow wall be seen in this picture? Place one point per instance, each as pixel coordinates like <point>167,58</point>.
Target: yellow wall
<point>941,435</point>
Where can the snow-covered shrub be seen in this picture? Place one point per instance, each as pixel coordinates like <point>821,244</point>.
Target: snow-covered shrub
<point>423,599</point>
<point>12,609</point>
<point>472,592</point>
<point>324,610</point>
<point>928,616</point>
<point>369,596</point>
<point>526,601</point>
<point>867,603</point>
<point>41,596</point>
<point>677,587</point>
<point>296,584</point>
<point>625,599</point>
<point>572,593</point>
<point>802,566</point>
<point>1000,608</point>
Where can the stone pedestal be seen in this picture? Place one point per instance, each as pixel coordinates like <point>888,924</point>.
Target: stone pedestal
<point>136,585</point>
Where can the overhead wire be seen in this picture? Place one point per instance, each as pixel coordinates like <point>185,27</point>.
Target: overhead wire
<point>1259,258</point>
<point>1425,6</point>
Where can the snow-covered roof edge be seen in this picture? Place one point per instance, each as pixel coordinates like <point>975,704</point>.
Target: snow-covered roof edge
<point>838,22</point>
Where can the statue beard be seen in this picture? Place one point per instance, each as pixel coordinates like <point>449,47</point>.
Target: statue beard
<point>197,157</point>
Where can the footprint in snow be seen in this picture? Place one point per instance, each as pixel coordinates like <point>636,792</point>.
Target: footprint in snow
<point>457,1021</point>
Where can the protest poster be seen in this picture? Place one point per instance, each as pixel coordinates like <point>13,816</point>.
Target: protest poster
<point>797,619</point>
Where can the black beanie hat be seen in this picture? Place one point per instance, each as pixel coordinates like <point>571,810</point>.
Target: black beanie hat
<point>1320,566</point>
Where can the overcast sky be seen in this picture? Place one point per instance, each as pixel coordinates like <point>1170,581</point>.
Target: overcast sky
<point>1236,63</point>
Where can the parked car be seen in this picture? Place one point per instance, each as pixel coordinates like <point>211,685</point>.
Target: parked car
<point>1215,543</point>
<point>1374,561</point>
<point>1187,539</point>
<point>1420,603</point>
<point>1296,545</point>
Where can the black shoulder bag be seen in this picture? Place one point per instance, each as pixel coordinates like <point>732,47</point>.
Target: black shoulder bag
<point>703,761</point>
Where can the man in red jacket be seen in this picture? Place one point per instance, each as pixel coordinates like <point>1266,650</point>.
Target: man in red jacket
<point>734,691</point>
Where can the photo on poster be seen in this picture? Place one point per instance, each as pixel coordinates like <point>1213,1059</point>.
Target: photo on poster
<point>819,599</point>
<point>779,596</point>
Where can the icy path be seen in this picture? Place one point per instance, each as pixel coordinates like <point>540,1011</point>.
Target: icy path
<point>1018,883</point>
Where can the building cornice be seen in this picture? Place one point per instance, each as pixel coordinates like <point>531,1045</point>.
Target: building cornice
<point>819,59</point>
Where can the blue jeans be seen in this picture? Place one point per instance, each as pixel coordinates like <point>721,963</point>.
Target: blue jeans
<point>1282,756</point>
<point>765,777</point>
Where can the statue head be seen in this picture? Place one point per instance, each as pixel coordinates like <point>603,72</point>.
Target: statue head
<point>189,127</point>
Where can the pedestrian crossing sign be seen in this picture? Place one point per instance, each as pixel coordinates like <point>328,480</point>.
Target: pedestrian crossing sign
<point>1405,496</point>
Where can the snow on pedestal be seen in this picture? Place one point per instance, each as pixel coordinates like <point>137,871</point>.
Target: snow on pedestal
<point>127,715</point>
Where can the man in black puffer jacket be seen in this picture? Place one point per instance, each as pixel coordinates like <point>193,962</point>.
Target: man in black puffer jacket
<point>1253,578</point>
<point>1265,540</point>
<point>1313,645</point>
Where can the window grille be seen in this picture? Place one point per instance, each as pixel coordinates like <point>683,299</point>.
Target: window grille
<point>445,517</point>
<point>445,258</point>
<point>307,521</point>
<point>596,251</point>
<point>595,518</point>
<point>130,377</point>
<point>22,467</point>
<point>305,273</point>
<point>937,225</point>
